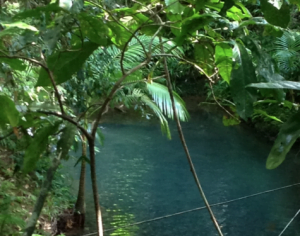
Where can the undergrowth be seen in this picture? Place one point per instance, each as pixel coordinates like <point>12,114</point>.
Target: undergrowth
<point>18,193</point>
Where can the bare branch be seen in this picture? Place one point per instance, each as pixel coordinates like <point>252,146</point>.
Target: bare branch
<point>44,66</point>
<point>112,92</point>
<point>219,104</point>
<point>69,119</point>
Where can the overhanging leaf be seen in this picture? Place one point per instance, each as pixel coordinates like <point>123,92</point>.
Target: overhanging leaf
<point>287,136</point>
<point>279,17</point>
<point>65,64</point>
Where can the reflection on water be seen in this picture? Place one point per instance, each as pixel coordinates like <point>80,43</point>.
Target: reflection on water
<point>142,175</point>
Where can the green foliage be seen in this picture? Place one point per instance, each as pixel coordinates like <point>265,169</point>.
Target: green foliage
<point>37,146</point>
<point>243,73</point>
<point>287,53</point>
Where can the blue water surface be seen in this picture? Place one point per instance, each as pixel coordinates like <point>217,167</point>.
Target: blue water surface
<point>143,175</point>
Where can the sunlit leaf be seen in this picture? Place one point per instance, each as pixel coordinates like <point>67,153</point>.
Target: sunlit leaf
<point>174,6</point>
<point>277,85</point>
<point>161,97</point>
<point>223,60</point>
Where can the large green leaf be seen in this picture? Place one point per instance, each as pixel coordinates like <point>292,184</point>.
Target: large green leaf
<point>37,146</point>
<point>15,64</point>
<point>279,17</point>
<point>65,64</point>
<point>287,136</point>
<point>243,73</point>
<point>66,140</point>
<point>94,28</point>
<point>9,114</point>
<point>277,85</point>
<point>223,60</point>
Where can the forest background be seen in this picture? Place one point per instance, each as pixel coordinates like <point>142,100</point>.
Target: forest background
<point>64,64</point>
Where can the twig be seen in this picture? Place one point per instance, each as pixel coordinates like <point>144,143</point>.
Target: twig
<point>187,61</point>
<point>128,30</point>
<point>219,104</point>
<point>69,119</point>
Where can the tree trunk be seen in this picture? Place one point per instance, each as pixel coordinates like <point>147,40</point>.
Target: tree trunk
<point>30,227</point>
<point>79,213</point>
<point>94,186</point>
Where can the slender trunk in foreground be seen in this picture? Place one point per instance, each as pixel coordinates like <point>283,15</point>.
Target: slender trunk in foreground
<point>184,143</point>
<point>94,186</point>
<point>30,227</point>
<point>79,213</point>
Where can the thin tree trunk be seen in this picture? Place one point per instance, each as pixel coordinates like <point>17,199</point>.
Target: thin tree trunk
<point>30,227</point>
<point>94,186</point>
<point>79,213</point>
<point>213,218</point>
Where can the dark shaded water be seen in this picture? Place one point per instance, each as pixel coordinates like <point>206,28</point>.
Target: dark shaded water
<point>142,175</point>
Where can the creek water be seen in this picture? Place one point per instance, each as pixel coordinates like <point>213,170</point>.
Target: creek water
<point>143,175</point>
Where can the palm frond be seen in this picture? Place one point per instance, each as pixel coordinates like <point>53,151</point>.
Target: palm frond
<point>161,97</point>
<point>156,110</point>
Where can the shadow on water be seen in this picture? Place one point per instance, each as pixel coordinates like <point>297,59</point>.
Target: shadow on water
<point>142,175</point>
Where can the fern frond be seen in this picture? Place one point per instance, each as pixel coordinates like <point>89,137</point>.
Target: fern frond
<point>287,52</point>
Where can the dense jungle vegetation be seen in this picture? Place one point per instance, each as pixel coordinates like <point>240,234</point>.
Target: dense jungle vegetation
<point>64,64</point>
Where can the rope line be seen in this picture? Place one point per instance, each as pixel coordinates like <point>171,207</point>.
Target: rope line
<point>289,223</point>
<point>204,207</point>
